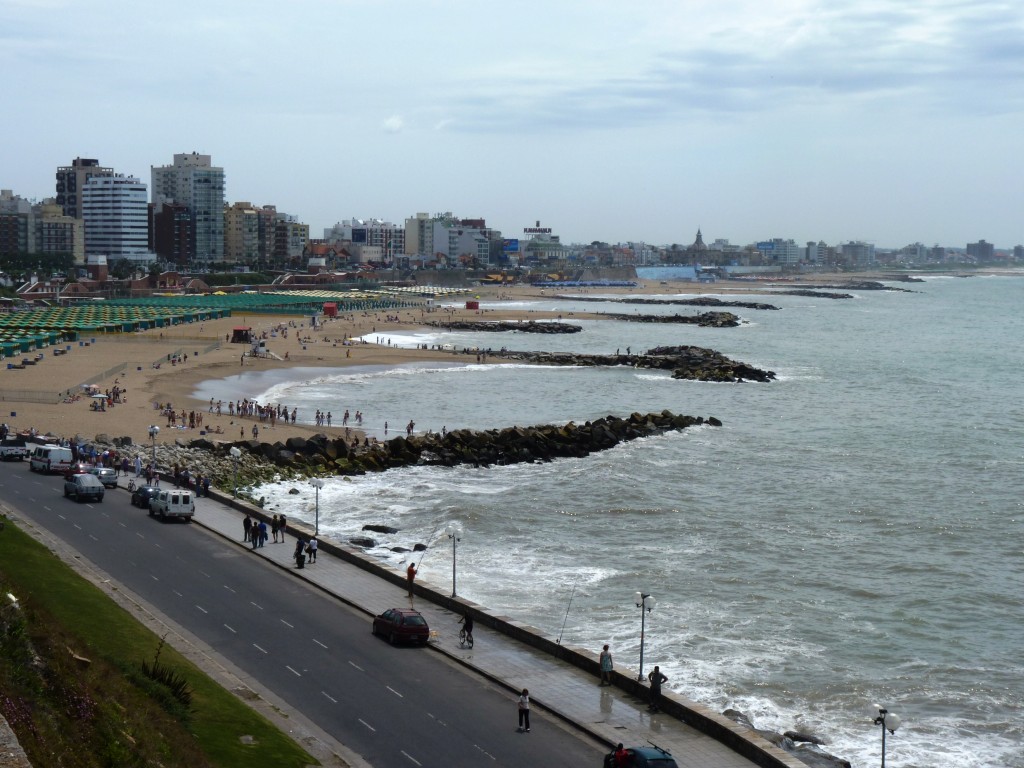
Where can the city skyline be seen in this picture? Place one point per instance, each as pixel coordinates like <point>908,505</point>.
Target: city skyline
<point>803,119</point>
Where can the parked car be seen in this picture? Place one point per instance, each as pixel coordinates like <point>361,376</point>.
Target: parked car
<point>106,475</point>
<point>644,757</point>
<point>83,487</point>
<point>402,624</point>
<point>142,495</point>
<point>13,449</point>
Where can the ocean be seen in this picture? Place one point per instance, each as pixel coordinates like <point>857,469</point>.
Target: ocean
<point>850,538</point>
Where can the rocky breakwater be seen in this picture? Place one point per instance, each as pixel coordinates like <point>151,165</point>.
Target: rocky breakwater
<point>700,301</point>
<point>704,320</point>
<point>505,327</point>
<point>685,362</point>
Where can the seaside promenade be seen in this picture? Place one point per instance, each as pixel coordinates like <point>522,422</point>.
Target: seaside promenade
<point>610,714</point>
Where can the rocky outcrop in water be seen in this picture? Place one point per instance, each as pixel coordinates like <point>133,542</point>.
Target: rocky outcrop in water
<point>810,753</point>
<point>704,320</point>
<point>505,327</point>
<point>686,362</point>
<point>816,294</point>
<point>700,301</point>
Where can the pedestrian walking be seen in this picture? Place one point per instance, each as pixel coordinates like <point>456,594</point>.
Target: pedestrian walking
<point>247,527</point>
<point>524,711</point>
<point>283,523</point>
<point>311,549</point>
<point>606,666</point>
<point>410,576</point>
<point>275,526</point>
<point>263,532</point>
<point>656,678</point>
<point>299,556</point>
<point>138,466</point>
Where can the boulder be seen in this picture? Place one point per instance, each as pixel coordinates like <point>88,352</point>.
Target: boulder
<point>379,528</point>
<point>362,541</point>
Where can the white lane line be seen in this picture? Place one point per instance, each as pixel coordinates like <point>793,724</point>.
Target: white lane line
<point>230,629</point>
<point>485,752</point>
<point>257,605</point>
<point>394,692</point>
<point>61,517</point>
<point>202,609</point>
<point>258,648</point>
<point>367,725</point>
<point>154,577</point>
<point>122,524</point>
<point>93,537</point>
<point>357,666</point>
<point>319,643</point>
<point>77,526</point>
<point>177,593</point>
<point>332,699</point>
<point>204,573</point>
<point>297,674</point>
<point>229,589</point>
<point>411,757</point>
<point>287,624</point>
<point>439,721</point>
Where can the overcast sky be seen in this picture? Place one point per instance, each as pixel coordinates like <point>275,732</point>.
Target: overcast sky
<point>891,122</point>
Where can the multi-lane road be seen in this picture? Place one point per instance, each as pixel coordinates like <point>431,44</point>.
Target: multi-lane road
<point>401,707</point>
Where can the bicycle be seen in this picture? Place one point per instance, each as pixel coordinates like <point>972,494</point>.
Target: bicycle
<point>465,638</point>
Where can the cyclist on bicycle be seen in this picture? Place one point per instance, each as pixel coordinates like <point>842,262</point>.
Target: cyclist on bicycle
<point>467,626</point>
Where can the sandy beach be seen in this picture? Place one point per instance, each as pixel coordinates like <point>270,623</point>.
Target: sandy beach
<point>206,354</point>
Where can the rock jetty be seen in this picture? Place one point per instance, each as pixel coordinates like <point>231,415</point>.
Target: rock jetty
<point>530,326</point>
<point>700,301</point>
<point>704,320</point>
<point>685,362</point>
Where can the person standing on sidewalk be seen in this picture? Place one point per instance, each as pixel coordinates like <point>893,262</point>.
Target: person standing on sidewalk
<point>275,525</point>
<point>282,523</point>
<point>524,711</point>
<point>606,666</point>
<point>410,576</point>
<point>311,548</point>
<point>656,678</point>
<point>247,526</point>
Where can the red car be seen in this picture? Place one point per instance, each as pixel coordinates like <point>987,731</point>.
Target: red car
<point>77,469</point>
<point>402,624</point>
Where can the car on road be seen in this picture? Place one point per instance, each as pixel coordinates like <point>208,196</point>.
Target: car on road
<point>173,504</point>
<point>402,625</point>
<point>13,449</point>
<point>644,757</point>
<point>83,487</point>
<point>106,475</point>
<point>78,468</point>
<point>142,495</point>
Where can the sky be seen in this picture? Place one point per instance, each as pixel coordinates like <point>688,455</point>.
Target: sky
<point>890,122</point>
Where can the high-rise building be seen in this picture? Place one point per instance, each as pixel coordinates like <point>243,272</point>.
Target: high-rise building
<point>241,234</point>
<point>981,251</point>
<point>116,216</point>
<point>192,180</point>
<point>171,231</point>
<point>71,180</point>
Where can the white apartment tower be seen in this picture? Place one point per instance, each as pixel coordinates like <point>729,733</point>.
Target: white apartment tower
<point>115,212</point>
<point>194,181</point>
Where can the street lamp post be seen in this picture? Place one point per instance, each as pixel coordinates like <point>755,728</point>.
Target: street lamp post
<point>317,483</point>
<point>153,430</point>
<point>645,603</point>
<point>455,534</point>
<point>235,454</point>
<point>890,723</point>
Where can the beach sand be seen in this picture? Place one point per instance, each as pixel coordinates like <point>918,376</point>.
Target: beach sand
<point>210,356</point>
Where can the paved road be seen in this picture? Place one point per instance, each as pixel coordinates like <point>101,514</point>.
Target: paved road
<point>393,706</point>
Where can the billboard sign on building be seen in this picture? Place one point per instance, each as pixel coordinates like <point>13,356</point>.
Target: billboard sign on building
<point>766,246</point>
<point>510,245</point>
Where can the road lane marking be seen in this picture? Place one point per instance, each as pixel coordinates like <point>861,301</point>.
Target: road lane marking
<point>177,593</point>
<point>258,648</point>
<point>290,626</point>
<point>411,757</point>
<point>439,721</point>
<point>201,608</point>
<point>484,751</point>
<point>394,692</point>
<point>93,537</point>
<point>257,605</point>
<point>367,725</point>
<point>297,674</point>
<point>357,666</point>
<point>229,589</point>
<point>319,643</point>
<point>204,573</point>
<point>230,629</point>
<point>333,700</point>
<point>139,535</point>
<point>154,577</point>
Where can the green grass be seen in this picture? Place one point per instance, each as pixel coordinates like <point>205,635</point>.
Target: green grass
<point>108,712</point>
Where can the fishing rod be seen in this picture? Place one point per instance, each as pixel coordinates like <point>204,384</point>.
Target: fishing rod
<point>571,595</point>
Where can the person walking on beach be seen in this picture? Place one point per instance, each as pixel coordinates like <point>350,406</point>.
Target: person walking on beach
<point>606,666</point>
<point>410,576</point>
<point>656,678</point>
<point>524,711</point>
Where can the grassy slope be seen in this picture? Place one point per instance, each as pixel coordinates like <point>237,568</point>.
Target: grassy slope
<point>106,713</point>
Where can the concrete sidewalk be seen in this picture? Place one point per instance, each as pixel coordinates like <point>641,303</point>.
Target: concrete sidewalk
<point>610,714</point>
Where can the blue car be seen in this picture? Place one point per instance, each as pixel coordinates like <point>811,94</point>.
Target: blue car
<point>644,757</point>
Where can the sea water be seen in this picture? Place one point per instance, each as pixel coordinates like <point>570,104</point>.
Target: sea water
<point>850,538</point>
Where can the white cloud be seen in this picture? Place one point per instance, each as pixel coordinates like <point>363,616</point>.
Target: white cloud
<point>393,124</point>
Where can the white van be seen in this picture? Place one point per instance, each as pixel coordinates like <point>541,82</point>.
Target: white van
<point>173,503</point>
<point>50,458</point>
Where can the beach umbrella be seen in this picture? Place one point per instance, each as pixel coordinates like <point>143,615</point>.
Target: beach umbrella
<point>100,396</point>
